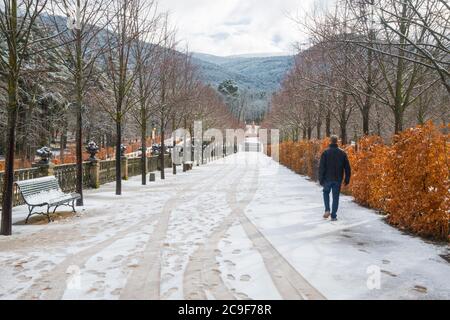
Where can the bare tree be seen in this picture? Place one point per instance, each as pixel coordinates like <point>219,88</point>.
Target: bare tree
<point>119,72</point>
<point>17,18</point>
<point>166,87</point>
<point>146,53</point>
<point>422,30</point>
<point>81,42</point>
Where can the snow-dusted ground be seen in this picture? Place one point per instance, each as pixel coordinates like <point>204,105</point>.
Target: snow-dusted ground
<point>242,227</point>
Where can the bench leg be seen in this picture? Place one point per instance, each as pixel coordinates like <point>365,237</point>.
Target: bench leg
<point>30,210</point>
<point>48,213</point>
<point>73,206</point>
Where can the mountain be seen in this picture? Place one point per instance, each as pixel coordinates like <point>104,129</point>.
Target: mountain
<point>254,73</point>
<point>214,74</point>
<point>257,77</point>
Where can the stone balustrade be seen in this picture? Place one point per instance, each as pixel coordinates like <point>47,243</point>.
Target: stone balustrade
<point>94,173</point>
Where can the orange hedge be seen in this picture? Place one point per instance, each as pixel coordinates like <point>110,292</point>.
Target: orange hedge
<point>408,180</point>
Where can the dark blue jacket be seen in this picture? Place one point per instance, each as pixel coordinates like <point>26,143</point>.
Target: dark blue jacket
<point>333,163</point>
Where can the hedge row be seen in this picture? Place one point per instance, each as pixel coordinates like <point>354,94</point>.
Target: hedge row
<point>408,179</point>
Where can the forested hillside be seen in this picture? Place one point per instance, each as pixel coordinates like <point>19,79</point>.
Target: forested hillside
<point>255,77</point>
<point>252,73</point>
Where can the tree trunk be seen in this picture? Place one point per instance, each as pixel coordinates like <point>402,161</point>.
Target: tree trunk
<point>8,178</point>
<point>144,150</point>
<point>421,114</point>
<point>398,107</point>
<point>365,111</point>
<point>398,124</point>
<point>309,131</point>
<point>328,124</point>
<point>118,156</point>
<point>365,118</point>
<point>79,121</point>
<point>174,166</point>
<point>161,155</point>
<point>343,127</point>
<point>369,90</point>
<point>62,144</point>
<point>318,129</point>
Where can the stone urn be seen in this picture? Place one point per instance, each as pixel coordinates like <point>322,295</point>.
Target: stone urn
<point>45,153</point>
<point>92,148</point>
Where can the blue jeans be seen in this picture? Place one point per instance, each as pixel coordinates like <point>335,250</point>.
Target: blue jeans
<point>335,188</point>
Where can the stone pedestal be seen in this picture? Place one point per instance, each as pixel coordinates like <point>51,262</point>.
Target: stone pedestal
<point>94,174</point>
<point>47,169</point>
<point>124,167</point>
<point>152,177</point>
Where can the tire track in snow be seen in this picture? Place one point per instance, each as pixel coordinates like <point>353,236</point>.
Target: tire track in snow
<point>144,282</point>
<point>53,284</point>
<point>202,271</point>
<point>289,282</point>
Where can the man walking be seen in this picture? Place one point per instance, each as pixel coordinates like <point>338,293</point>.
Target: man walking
<point>333,164</point>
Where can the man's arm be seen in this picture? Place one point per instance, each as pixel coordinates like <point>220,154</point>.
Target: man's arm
<point>347,169</point>
<point>322,168</point>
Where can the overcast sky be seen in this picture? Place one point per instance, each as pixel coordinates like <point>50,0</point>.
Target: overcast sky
<point>229,27</point>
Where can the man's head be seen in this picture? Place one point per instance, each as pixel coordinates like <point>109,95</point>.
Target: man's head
<point>334,139</point>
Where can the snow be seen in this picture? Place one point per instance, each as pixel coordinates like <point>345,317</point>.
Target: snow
<point>243,268</point>
<point>337,257</point>
<point>213,233</point>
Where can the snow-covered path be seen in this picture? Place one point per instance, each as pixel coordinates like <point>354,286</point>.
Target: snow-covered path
<point>238,228</point>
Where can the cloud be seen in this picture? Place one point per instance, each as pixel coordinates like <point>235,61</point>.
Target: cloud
<point>220,36</point>
<point>230,27</point>
<point>238,22</point>
<point>277,38</point>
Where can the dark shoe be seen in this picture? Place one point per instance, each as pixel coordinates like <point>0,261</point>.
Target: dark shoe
<point>326,214</point>
<point>333,219</point>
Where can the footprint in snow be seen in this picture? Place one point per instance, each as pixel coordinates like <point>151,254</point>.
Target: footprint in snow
<point>116,292</point>
<point>242,296</point>
<point>97,273</point>
<point>169,292</point>
<point>245,277</point>
<point>230,277</point>
<point>167,276</point>
<point>177,268</point>
<point>216,271</point>
<point>389,273</point>
<point>133,265</point>
<point>420,289</point>
<point>230,263</point>
<point>118,258</point>
<point>23,278</point>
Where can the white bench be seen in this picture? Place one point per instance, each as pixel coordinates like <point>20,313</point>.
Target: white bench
<point>45,192</point>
